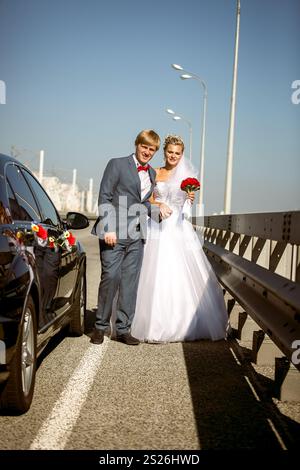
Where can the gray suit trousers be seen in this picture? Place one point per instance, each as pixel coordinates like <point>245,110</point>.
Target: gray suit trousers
<point>121,266</point>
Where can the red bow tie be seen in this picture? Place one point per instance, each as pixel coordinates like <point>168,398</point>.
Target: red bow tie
<point>143,167</point>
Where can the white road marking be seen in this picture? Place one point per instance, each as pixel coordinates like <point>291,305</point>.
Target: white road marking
<point>55,431</point>
<point>283,446</point>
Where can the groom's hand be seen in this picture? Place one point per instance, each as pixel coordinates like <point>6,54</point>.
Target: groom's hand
<point>110,238</point>
<point>164,211</point>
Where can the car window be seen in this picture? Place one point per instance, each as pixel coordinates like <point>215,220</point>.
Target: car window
<point>48,210</point>
<point>19,191</point>
<point>15,209</point>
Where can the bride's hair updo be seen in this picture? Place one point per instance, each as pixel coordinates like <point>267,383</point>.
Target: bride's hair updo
<point>173,140</point>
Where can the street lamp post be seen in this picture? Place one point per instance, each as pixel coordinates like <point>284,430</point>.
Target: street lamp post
<point>41,166</point>
<point>178,117</point>
<point>186,76</point>
<point>228,182</point>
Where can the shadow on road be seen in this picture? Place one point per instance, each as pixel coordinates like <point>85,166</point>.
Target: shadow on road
<point>229,415</point>
<point>90,317</point>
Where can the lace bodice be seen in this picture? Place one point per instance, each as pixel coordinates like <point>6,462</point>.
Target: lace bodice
<point>170,194</point>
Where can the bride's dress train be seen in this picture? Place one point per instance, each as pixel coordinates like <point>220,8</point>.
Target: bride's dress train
<point>179,297</point>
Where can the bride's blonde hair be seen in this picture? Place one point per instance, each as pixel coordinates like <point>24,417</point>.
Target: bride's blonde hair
<point>172,139</point>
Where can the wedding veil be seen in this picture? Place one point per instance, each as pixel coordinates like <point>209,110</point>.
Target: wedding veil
<point>183,170</point>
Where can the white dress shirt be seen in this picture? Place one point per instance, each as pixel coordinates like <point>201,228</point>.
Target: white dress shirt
<point>144,179</point>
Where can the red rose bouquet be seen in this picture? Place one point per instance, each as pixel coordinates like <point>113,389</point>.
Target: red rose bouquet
<point>190,184</point>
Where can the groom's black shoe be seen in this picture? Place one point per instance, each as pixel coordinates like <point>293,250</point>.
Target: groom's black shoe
<point>127,339</point>
<point>97,336</point>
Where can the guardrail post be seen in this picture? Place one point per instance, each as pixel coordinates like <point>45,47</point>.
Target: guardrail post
<point>233,310</point>
<point>264,351</point>
<point>287,380</point>
<point>246,327</point>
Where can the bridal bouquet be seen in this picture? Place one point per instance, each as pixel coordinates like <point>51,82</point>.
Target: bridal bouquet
<point>190,184</point>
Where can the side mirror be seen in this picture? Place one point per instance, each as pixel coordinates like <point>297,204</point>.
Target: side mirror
<point>76,221</point>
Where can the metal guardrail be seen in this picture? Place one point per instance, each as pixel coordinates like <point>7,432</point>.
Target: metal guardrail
<point>256,258</point>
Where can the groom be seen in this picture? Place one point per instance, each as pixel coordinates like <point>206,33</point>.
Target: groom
<point>125,188</point>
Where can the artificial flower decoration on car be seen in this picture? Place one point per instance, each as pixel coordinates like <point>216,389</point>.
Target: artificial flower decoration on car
<point>39,231</point>
<point>65,240</point>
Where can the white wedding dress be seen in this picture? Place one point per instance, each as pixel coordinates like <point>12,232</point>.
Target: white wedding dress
<point>179,297</point>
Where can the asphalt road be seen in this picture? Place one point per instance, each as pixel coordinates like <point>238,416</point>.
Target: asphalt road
<point>197,395</point>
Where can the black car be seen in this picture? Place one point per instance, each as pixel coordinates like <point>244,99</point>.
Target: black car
<point>42,279</point>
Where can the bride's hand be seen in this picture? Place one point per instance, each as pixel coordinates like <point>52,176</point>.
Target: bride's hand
<point>191,196</point>
<point>165,211</point>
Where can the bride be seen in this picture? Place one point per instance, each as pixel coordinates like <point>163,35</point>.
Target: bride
<point>179,297</point>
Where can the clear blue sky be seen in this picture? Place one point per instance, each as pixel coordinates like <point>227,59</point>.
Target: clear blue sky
<point>83,77</point>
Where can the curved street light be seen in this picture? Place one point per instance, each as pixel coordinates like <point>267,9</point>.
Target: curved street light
<point>190,75</point>
<point>178,117</point>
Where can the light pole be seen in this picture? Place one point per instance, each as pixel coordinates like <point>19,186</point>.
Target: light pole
<point>74,181</point>
<point>41,166</point>
<point>228,182</point>
<point>186,76</point>
<point>90,196</point>
<point>176,117</point>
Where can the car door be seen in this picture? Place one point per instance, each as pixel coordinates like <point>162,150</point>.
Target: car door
<point>61,258</point>
<point>24,212</point>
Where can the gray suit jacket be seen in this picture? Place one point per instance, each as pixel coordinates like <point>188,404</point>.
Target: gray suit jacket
<point>120,206</point>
